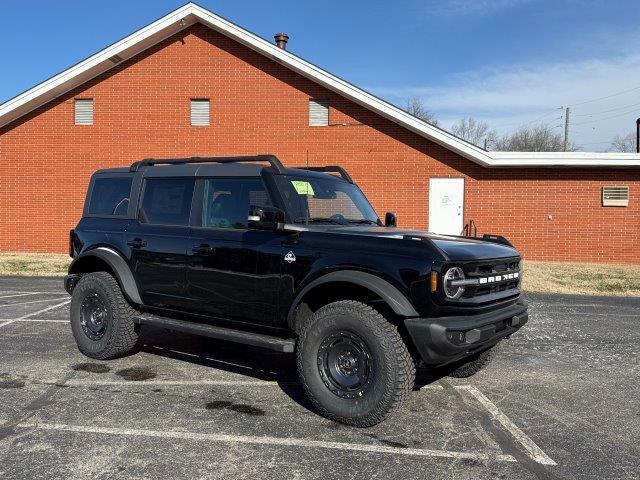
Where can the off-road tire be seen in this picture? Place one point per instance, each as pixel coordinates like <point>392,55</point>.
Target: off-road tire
<point>392,369</point>
<point>472,365</point>
<point>120,337</point>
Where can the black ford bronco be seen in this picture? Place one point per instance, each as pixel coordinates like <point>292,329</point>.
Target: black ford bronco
<point>290,259</point>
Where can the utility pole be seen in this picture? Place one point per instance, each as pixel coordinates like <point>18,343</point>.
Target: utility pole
<point>566,128</point>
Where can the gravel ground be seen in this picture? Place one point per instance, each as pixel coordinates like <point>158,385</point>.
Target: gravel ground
<point>561,400</point>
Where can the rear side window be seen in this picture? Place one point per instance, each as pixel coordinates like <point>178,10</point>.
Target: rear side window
<point>110,196</point>
<point>167,201</point>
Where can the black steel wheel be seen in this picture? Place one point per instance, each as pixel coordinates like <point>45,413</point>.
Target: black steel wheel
<point>93,316</point>
<point>353,364</point>
<point>102,318</point>
<point>345,364</point>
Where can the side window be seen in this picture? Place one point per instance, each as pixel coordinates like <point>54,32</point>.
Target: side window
<point>110,196</point>
<point>167,201</point>
<point>227,201</point>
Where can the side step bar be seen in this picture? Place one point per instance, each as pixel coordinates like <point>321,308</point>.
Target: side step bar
<point>239,336</point>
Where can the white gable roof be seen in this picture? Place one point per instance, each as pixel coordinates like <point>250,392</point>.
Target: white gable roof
<point>191,13</point>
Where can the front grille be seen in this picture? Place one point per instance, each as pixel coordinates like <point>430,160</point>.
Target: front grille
<point>494,276</point>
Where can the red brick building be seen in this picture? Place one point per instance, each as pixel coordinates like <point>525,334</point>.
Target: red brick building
<point>138,98</point>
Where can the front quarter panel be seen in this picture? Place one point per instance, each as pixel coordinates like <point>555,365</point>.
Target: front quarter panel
<point>403,264</point>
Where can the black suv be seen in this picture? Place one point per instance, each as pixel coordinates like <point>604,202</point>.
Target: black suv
<point>290,259</point>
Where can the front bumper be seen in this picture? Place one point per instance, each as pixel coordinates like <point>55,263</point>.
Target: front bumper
<point>444,340</point>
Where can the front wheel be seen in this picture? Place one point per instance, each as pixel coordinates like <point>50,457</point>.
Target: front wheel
<point>353,364</point>
<point>101,318</point>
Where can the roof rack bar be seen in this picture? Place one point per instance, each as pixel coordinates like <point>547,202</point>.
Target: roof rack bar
<point>147,162</point>
<point>330,168</point>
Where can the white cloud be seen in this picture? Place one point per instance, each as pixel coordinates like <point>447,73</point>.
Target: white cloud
<point>512,95</point>
<point>475,7</point>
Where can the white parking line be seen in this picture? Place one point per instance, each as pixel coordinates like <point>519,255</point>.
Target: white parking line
<point>24,294</point>
<point>206,383</point>
<point>32,320</point>
<point>52,307</point>
<point>14,293</point>
<point>32,301</point>
<point>273,441</point>
<point>533,450</point>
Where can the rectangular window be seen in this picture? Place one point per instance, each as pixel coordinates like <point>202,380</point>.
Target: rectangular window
<point>318,113</point>
<point>227,201</point>
<point>167,201</point>
<point>110,196</point>
<point>615,196</point>
<point>200,112</point>
<point>83,111</point>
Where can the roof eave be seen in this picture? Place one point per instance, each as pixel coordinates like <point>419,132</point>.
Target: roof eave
<point>191,13</point>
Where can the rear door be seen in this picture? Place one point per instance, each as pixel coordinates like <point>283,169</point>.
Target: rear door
<point>446,205</point>
<point>159,239</point>
<point>233,272</point>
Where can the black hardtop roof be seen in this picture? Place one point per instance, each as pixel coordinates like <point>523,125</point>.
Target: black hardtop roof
<point>222,166</point>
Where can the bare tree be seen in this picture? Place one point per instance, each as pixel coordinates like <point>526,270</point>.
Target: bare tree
<point>417,108</point>
<point>540,138</point>
<point>475,131</point>
<point>624,144</point>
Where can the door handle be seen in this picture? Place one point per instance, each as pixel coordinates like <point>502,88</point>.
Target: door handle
<point>203,249</point>
<point>137,243</point>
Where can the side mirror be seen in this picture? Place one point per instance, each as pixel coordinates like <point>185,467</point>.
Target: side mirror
<point>390,219</point>
<point>265,218</point>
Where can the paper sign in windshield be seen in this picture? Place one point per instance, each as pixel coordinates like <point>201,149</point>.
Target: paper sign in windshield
<point>303,188</point>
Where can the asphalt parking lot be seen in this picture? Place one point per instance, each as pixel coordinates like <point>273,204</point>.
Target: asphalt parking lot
<point>560,401</point>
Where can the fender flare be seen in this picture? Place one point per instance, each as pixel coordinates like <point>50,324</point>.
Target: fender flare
<point>119,266</point>
<point>398,302</point>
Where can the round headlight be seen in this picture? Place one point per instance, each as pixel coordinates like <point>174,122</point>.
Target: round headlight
<point>453,291</point>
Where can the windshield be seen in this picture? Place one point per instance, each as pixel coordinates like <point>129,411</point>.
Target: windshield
<point>325,200</point>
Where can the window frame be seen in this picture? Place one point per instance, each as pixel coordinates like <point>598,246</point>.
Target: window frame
<point>133,198</point>
<point>197,208</point>
<point>140,201</point>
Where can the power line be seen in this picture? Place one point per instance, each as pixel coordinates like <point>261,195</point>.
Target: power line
<point>606,111</point>
<point>608,96</point>
<point>608,118</point>
<point>529,122</point>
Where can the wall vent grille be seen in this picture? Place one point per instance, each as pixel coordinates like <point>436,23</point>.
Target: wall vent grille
<point>318,113</point>
<point>84,111</point>
<point>615,196</point>
<point>200,112</point>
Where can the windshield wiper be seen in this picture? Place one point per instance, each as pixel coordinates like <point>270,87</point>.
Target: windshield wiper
<point>319,220</point>
<point>365,221</point>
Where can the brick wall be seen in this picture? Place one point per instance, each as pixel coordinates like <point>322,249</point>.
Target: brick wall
<point>141,109</point>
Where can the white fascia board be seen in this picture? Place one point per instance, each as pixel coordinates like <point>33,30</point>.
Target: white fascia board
<point>191,13</point>
<point>95,65</point>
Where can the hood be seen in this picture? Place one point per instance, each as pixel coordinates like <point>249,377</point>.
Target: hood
<point>453,248</point>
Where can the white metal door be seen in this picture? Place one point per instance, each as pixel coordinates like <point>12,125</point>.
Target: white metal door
<point>446,204</point>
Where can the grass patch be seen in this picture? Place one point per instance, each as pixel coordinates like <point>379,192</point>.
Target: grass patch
<point>581,278</point>
<point>34,264</point>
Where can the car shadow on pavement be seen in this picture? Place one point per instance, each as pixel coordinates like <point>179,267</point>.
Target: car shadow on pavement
<point>253,362</point>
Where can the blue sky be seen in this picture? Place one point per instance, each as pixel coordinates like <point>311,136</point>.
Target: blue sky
<point>508,62</point>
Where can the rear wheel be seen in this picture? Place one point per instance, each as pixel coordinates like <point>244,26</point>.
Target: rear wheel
<point>353,364</point>
<point>101,318</point>
<point>473,364</point>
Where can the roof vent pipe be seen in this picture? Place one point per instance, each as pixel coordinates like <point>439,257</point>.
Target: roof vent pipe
<point>638,135</point>
<point>281,40</point>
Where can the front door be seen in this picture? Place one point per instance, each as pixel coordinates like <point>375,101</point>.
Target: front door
<point>233,272</point>
<point>446,205</point>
